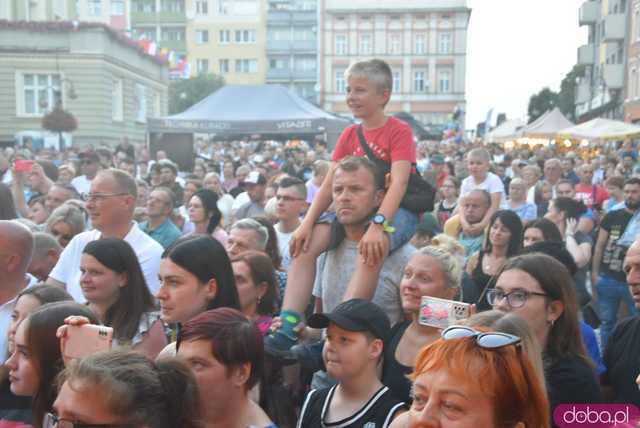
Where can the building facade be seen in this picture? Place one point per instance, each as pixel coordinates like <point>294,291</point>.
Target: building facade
<point>632,93</point>
<point>600,91</point>
<point>425,44</point>
<point>114,13</point>
<point>98,75</point>
<point>292,46</point>
<point>227,37</point>
<point>163,22</point>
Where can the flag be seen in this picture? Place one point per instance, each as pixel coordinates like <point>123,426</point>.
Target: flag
<point>153,49</point>
<point>187,71</point>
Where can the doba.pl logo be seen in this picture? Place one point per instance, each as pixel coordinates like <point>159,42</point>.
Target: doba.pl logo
<point>596,416</point>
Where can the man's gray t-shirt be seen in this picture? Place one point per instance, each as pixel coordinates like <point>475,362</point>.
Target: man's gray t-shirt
<point>250,209</point>
<point>335,268</point>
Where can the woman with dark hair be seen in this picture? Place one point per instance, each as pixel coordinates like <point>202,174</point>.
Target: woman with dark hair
<point>503,240</point>
<point>7,206</point>
<point>541,230</point>
<point>113,284</point>
<point>257,287</point>
<point>225,352</point>
<point>16,409</point>
<point>36,359</point>
<point>539,289</point>
<point>565,213</point>
<point>125,389</point>
<point>205,215</point>
<point>195,276</point>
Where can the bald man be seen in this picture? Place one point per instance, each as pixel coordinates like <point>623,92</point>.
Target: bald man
<point>621,354</point>
<point>16,250</point>
<point>110,203</point>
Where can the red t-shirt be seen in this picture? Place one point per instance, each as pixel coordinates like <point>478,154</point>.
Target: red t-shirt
<point>587,195</point>
<point>391,142</point>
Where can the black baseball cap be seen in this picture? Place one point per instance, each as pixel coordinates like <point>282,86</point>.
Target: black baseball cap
<point>355,315</point>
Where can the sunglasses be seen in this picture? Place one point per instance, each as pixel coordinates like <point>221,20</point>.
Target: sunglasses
<point>490,340</point>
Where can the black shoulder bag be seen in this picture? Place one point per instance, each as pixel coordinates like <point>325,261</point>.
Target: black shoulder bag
<point>420,195</point>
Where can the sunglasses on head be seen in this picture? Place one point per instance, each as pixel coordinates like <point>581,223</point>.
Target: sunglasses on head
<point>489,340</point>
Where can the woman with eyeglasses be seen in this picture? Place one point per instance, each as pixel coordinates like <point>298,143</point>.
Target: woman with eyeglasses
<point>434,271</point>
<point>471,378</point>
<point>539,289</point>
<point>36,359</point>
<point>65,222</point>
<point>206,217</point>
<point>119,389</point>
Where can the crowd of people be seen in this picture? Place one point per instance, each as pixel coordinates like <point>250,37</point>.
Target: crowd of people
<point>282,284</point>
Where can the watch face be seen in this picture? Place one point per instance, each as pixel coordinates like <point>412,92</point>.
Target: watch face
<point>378,219</point>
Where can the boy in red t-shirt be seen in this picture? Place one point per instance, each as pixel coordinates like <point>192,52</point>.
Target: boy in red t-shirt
<point>369,86</point>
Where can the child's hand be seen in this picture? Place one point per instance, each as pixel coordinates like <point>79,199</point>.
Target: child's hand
<point>300,330</point>
<point>61,334</point>
<point>473,229</point>
<point>300,240</point>
<point>374,245</point>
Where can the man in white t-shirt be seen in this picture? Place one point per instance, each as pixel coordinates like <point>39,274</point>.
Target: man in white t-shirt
<point>291,199</point>
<point>16,250</point>
<point>110,203</point>
<point>89,166</point>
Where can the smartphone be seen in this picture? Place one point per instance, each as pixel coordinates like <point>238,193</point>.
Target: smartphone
<point>442,313</point>
<point>21,165</point>
<point>87,339</point>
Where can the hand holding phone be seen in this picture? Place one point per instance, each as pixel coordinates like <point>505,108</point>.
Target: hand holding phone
<point>21,165</point>
<point>442,313</point>
<point>86,339</point>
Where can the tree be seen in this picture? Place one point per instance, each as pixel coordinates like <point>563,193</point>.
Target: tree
<point>59,120</point>
<point>184,93</point>
<point>541,102</point>
<point>567,94</point>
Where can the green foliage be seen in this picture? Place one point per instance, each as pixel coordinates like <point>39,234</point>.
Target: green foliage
<point>567,94</point>
<point>541,102</point>
<point>184,93</point>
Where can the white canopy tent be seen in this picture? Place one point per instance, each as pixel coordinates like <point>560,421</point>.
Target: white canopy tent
<point>508,130</point>
<point>547,125</point>
<point>600,129</point>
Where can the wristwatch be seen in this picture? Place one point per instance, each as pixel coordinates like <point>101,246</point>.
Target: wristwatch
<point>379,219</point>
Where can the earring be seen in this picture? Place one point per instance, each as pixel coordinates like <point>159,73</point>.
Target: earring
<point>551,322</point>
<point>259,299</point>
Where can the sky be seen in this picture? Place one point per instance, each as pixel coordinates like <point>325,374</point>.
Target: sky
<point>514,49</point>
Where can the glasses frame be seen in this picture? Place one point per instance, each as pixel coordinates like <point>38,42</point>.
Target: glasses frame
<point>285,198</point>
<point>88,197</point>
<point>526,293</point>
<point>52,420</point>
<point>478,336</point>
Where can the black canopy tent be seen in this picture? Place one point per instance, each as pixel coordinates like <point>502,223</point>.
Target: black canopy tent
<point>235,112</point>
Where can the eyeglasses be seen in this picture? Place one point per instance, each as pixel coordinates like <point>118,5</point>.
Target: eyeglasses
<point>489,340</point>
<point>515,299</point>
<point>53,421</point>
<point>92,197</point>
<point>287,198</point>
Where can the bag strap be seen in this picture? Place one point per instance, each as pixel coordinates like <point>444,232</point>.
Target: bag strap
<point>364,145</point>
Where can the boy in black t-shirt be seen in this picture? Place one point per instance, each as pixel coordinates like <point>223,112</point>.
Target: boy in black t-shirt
<point>356,330</point>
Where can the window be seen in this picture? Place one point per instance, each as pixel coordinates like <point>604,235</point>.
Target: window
<point>279,35</point>
<point>365,44</point>
<point>172,34</point>
<point>41,93</point>
<point>395,44</point>
<point>246,65</point>
<point>245,36</point>
<point>202,36</point>
<point>146,6</point>
<point>397,83</point>
<point>224,8</point>
<point>633,80</point>
<point>95,7</point>
<point>305,64</point>
<point>444,81</point>
<point>157,104</point>
<point>147,34</point>
<point>420,46</point>
<point>224,66</point>
<point>140,103</point>
<point>341,44</point>
<point>301,33</point>
<point>278,64</point>
<point>117,7</point>
<point>173,5</point>
<point>202,7</point>
<point>636,23</point>
<point>419,81</point>
<point>202,66</point>
<point>117,101</point>
<point>444,43</point>
<point>340,85</point>
<point>224,37</point>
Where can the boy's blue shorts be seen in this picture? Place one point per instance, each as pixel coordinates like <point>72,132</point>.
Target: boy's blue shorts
<point>404,221</point>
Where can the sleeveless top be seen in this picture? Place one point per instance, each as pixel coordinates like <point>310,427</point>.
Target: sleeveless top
<point>480,281</point>
<point>394,374</point>
<point>445,213</point>
<point>378,412</point>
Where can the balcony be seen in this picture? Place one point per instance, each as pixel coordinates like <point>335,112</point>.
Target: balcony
<point>285,74</point>
<point>586,54</point>
<point>141,18</point>
<point>282,17</point>
<point>291,17</point>
<point>583,92</point>
<point>287,46</point>
<point>614,75</point>
<point>173,45</point>
<point>588,13</point>
<point>614,27</point>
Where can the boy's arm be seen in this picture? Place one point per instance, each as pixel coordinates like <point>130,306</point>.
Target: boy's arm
<point>323,198</point>
<point>495,206</point>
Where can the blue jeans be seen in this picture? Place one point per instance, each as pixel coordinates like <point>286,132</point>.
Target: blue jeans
<point>610,294</point>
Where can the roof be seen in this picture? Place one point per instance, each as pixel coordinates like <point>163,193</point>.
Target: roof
<point>249,109</point>
<point>397,6</point>
<point>547,125</point>
<point>601,129</point>
<point>508,130</point>
<point>74,26</point>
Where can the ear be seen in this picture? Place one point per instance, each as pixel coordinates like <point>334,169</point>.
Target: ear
<point>123,279</point>
<point>262,288</point>
<point>240,374</point>
<point>520,425</point>
<point>375,349</point>
<point>554,310</point>
<point>212,289</point>
<point>53,254</point>
<point>386,95</point>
